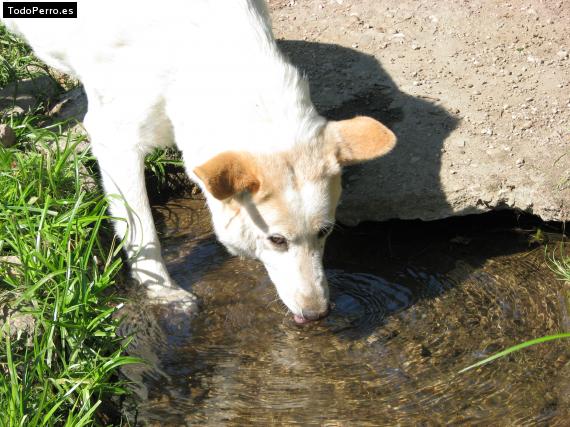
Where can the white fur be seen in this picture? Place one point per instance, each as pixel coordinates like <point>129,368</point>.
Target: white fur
<point>207,75</point>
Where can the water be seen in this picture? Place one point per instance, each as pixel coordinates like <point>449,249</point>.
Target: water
<point>412,305</point>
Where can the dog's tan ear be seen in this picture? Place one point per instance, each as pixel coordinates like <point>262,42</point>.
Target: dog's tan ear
<point>228,174</point>
<point>359,139</point>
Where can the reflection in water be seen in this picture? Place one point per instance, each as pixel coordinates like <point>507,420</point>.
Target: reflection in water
<point>411,307</point>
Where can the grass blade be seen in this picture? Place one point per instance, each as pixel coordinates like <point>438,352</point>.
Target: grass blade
<point>516,348</point>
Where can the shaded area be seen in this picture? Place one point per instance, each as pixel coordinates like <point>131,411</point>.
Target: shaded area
<point>413,303</point>
<point>405,183</point>
<point>21,96</point>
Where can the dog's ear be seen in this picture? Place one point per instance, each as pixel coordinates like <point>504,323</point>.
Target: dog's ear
<point>228,174</point>
<point>358,139</point>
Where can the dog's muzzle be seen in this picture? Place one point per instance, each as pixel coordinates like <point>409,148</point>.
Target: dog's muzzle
<point>310,316</point>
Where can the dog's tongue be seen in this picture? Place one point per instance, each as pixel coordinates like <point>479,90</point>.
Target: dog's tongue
<point>300,320</point>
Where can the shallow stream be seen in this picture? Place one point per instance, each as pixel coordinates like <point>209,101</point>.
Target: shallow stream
<point>412,304</point>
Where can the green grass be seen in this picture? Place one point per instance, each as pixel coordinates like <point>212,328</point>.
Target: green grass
<point>17,61</point>
<point>59,265</point>
<point>560,264</point>
<point>514,348</point>
<point>159,160</point>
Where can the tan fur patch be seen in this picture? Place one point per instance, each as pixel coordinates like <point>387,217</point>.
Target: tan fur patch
<point>360,139</point>
<point>270,199</point>
<point>228,174</point>
<point>291,171</point>
<point>271,179</point>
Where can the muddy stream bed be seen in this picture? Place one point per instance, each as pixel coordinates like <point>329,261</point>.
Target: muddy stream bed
<point>412,304</point>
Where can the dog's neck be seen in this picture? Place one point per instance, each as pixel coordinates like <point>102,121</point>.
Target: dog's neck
<point>245,94</point>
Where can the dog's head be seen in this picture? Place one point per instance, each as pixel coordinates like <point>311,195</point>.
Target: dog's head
<point>280,208</point>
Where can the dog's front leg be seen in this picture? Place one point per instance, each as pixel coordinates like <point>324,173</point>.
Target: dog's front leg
<point>121,162</point>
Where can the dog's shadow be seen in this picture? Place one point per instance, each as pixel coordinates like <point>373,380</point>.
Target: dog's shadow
<point>405,183</point>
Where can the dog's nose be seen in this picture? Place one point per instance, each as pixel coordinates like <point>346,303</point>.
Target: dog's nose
<point>310,315</point>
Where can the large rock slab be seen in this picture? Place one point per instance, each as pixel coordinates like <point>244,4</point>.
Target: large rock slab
<point>478,93</point>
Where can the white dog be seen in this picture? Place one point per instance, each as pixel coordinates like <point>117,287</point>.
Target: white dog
<point>208,76</point>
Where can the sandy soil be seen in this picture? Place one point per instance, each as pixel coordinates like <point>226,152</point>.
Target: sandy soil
<point>477,91</point>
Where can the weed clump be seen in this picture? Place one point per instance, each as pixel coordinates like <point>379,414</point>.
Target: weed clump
<point>58,262</point>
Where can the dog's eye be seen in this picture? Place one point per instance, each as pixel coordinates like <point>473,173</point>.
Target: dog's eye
<point>324,231</point>
<point>278,241</point>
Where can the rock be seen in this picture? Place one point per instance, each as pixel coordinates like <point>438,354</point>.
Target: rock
<point>398,89</point>
<point>11,261</point>
<point>20,325</point>
<point>70,105</point>
<point>7,136</point>
<point>28,94</point>
<point>15,111</point>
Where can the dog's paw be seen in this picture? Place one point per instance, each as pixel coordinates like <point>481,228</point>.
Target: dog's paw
<point>176,299</point>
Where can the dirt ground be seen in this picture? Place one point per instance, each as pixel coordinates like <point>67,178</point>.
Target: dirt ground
<point>478,93</point>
